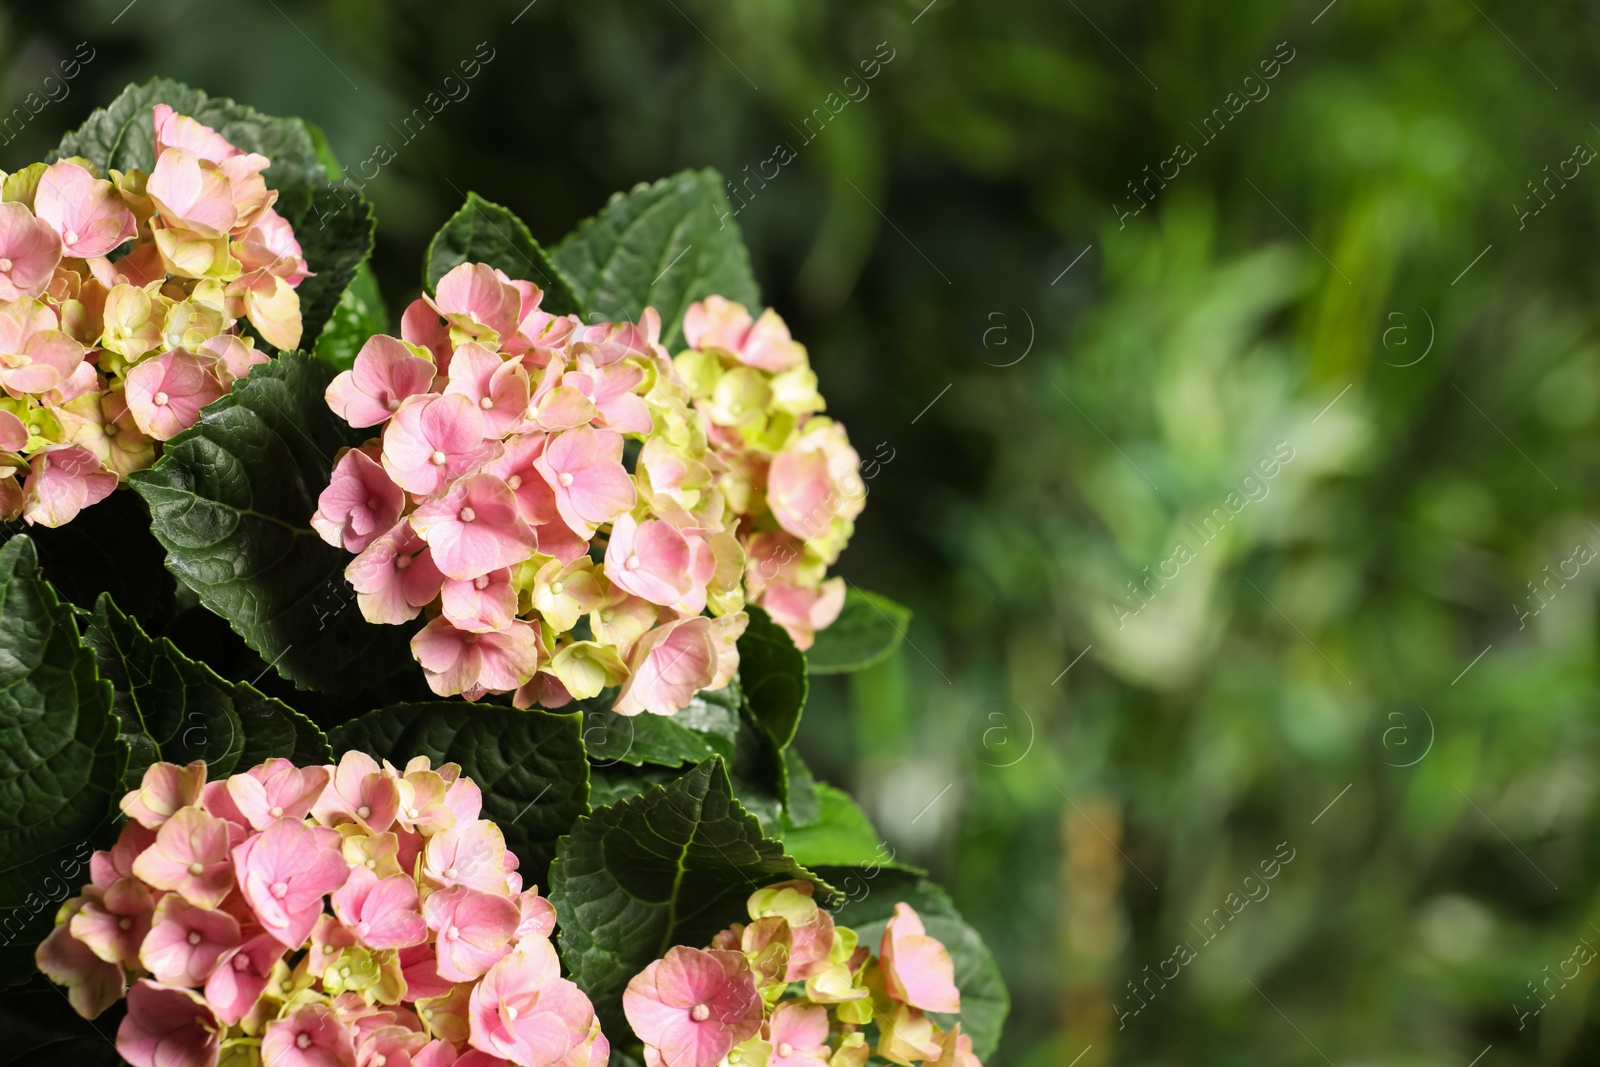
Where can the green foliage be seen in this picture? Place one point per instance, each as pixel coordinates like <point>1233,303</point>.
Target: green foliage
<point>529,765</point>
<point>772,673</point>
<point>42,1030</point>
<point>670,866</point>
<point>840,835</point>
<point>482,232</point>
<point>335,234</point>
<point>360,314</point>
<point>664,246</point>
<point>175,710</point>
<point>231,500</point>
<point>709,726</point>
<point>61,761</point>
<point>868,631</point>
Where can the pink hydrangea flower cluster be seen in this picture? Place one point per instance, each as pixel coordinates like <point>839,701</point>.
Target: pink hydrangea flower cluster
<point>353,915</point>
<point>792,989</point>
<point>120,299</point>
<point>572,512</point>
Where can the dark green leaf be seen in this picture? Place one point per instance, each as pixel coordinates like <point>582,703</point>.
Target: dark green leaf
<point>528,764</point>
<point>334,228</point>
<point>485,232</point>
<point>231,499</point>
<point>804,806</point>
<point>663,246</point>
<point>672,866</point>
<point>760,776</point>
<point>612,782</point>
<point>121,135</point>
<point>841,836</point>
<point>772,673</point>
<point>42,1030</point>
<point>873,895</point>
<point>867,631</point>
<point>61,762</point>
<point>108,548</point>
<point>360,314</point>
<point>709,726</point>
<point>175,710</point>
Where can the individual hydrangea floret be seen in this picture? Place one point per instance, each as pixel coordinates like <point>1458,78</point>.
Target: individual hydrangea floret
<point>573,511</point>
<point>122,298</point>
<point>792,989</point>
<point>356,914</point>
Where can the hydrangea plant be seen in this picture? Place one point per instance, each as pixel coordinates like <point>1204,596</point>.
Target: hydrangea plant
<point>293,730</point>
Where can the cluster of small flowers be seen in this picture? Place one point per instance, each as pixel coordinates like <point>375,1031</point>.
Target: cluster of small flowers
<point>214,903</point>
<point>791,989</point>
<point>101,358</point>
<point>499,497</point>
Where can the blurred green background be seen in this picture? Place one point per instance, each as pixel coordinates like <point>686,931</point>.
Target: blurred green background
<point>1339,662</point>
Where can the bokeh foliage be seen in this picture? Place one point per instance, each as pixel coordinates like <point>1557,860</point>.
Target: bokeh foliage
<point>1305,256</point>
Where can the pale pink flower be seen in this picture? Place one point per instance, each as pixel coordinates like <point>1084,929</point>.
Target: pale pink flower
<point>394,577</point>
<point>725,633</point>
<point>473,928</point>
<point>231,357</point>
<point>621,620</point>
<point>815,481</point>
<point>284,872</point>
<point>190,856</point>
<point>433,440</point>
<point>384,374</point>
<point>719,323</point>
<point>584,468</point>
<point>526,1013</point>
<point>86,212</point>
<point>216,800</point>
<point>611,391</point>
<point>419,964</point>
<point>13,432</point>
<point>164,789</point>
<point>271,305</point>
<point>649,559</point>
<point>917,970</point>
<point>497,385</point>
<point>62,481</point>
<point>168,1027</point>
<point>381,912</point>
<point>269,244</point>
<point>469,854</point>
<point>358,792</point>
<point>477,297</point>
<point>92,984</point>
<point>313,1035</point>
<point>165,393</point>
<point>955,1050</point>
<point>799,1035</point>
<point>185,942</point>
<point>277,789</point>
<point>421,325</point>
<point>360,503</point>
<point>693,1006</point>
<point>474,528</point>
<point>35,356</point>
<point>29,252</point>
<point>192,194</point>
<point>536,501</point>
<point>538,915</point>
<point>482,604</point>
<point>669,665</point>
<point>173,130</point>
<point>241,976</point>
<point>105,867</point>
<point>803,612</point>
<point>456,661</point>
<point>465,800</point>
<point>113,922</point>
<point>543,690</point>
